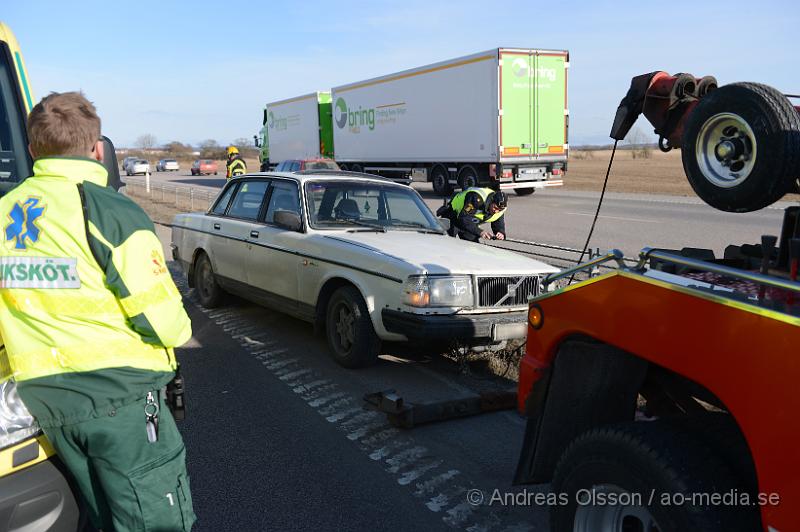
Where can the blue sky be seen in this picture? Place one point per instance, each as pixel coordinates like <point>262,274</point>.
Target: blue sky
<point>190,71</point>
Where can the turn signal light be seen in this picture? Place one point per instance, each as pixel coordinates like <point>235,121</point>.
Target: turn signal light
<point>536,317</point>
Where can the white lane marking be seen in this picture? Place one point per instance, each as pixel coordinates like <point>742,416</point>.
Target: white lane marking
<point>278,365</point>
<point>360,433</point>
<point>410,476</point>
<point>295,374</point>
<point>336,405</point>
<point>380,437</point>
<point>640,220</point>
<point>459,513</point>
<point>335,418</point>
<point>405,458</point>
<point>319,391</point>
<point>310,386</point>
<point>427,487</point>
<point>326,399</point>
<point>387,450</point>
<point>363,417</point>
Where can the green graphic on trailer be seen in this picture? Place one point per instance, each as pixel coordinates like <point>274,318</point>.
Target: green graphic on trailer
<point>550,102</point>
<point>515,86</point>
<point>532,89</point>
<point>325,125</point>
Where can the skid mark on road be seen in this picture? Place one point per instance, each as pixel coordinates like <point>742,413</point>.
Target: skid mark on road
<point>439,488</point>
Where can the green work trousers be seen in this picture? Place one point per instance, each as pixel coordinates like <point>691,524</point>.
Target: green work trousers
<point>127,482</point>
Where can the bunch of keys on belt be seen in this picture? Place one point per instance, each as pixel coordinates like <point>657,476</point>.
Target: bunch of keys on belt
<point>151,418</point>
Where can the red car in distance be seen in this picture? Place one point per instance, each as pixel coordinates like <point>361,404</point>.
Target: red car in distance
<point>204,167</point>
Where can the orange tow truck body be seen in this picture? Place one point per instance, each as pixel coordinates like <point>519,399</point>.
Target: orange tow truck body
<point>747,356</point>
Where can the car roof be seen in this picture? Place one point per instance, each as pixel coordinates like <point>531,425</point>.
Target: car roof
<point>316,175</point>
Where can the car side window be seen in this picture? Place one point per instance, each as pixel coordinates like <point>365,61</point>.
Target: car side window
<point>284,197</point>
<point>295,166</point>
<point>223,201</point>
<point>248,199</point>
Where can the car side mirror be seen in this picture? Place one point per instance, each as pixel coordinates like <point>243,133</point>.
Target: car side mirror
<point>288,220</point>
<point>445,223</point>
<point>110,164</point>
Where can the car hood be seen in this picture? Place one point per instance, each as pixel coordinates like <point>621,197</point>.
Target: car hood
<point>437,254</point>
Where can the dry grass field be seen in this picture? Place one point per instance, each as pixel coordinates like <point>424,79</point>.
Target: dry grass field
<point>660,173</point>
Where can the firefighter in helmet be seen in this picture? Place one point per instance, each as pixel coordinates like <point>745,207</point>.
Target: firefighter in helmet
<point>472,207</point>
<point>236,165</point>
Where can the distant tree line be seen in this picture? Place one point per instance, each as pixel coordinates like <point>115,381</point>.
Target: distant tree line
<point>147,144</point>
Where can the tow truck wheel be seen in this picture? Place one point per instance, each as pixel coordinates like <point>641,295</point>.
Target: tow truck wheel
<point>348,327</point>
<point>645,476</point>
<point>441,181</point>
<point>209,292</point>
<point>741,147</point>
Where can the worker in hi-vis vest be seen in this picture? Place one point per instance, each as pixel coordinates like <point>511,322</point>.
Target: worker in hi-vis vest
<point>472,207</point>
<point>89,316</point>
<point>235,165</point>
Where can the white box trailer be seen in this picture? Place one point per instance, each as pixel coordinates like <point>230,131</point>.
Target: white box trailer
<point>495,117</point>
<point>299,128</point>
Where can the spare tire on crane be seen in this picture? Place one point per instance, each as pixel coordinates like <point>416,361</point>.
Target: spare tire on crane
<point>741,147</point>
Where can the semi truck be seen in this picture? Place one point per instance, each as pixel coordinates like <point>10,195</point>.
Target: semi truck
<point>668,387</point>
<point>498,117</point>
<point>297,128</point>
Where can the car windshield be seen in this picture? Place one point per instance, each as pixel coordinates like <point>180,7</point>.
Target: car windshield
<point>363,205</point>
<point>321,165</point>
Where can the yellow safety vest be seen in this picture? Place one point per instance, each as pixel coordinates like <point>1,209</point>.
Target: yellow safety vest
<point>83,281</point>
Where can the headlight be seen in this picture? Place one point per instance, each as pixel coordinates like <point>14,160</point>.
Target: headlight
<point>449,291</point>
<point>16,423</point>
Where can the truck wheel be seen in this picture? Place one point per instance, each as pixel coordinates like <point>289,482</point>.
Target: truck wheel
<point>349,330</point>
<point>209,292</point>
<point>440,178</point>
<point>524,191</point>
<point>356,168</point>
<point>741,147</point>
<point>641,476</point>
<point>467,178</point>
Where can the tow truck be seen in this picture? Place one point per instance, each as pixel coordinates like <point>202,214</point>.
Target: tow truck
<point>35,493</point>
<point>661,396</point>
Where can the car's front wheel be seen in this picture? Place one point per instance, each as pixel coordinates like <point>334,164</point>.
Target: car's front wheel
<point>209,292</point>
<point>351,337</point>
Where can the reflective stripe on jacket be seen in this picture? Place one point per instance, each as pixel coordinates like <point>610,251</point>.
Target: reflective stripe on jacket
<point>83,282</point>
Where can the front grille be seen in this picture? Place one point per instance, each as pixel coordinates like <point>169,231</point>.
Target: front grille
<point>506,291</point>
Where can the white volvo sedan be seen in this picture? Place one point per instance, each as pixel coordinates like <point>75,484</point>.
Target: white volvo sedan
<point>362,258</point>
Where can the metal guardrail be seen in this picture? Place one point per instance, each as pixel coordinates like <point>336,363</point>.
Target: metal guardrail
<point>180,196</point>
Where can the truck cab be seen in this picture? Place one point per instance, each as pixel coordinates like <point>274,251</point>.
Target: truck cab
<point>34,492</point>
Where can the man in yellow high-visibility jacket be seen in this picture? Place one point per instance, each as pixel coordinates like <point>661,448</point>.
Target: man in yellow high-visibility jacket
<point>472,207</point>
<point>235,165</point>
<point>89,315</point>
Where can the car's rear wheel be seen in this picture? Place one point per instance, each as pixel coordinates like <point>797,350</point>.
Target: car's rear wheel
<point>524,191</point>
<point>209,292</point>
<point>351,337</point>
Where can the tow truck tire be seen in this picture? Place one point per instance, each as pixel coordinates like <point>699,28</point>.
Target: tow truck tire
<point>652,469</point>
<point>524,191</point>
<point>441,181</point>
<point>348,328</point>
<point>208,290</point>
<point>741,147</point>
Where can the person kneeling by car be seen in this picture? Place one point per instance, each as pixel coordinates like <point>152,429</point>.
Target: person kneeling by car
<point>472,207</point>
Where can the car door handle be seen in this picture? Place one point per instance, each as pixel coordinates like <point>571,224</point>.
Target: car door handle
<point>254,234</point>
<point>216,226</point>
